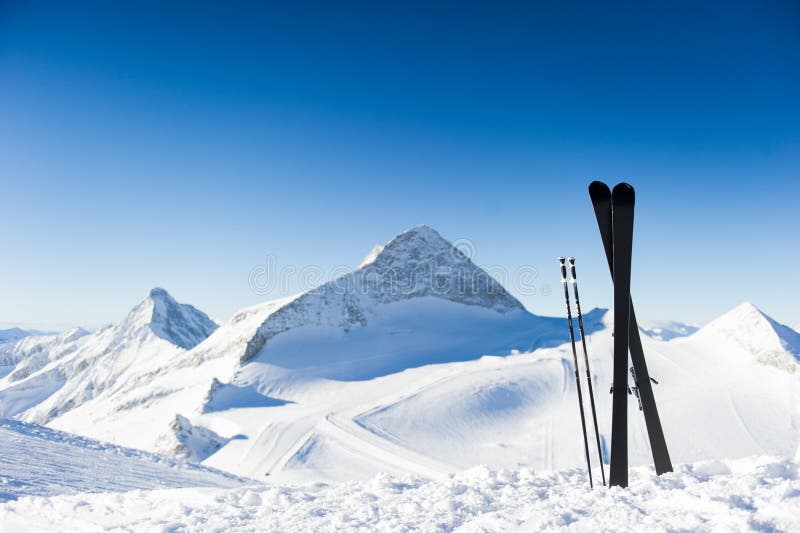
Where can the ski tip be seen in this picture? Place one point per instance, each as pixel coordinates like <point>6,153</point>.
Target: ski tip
<point>561,260</point>
<point>623,192</point>
<point>598,189</point>
<point>571,260</point>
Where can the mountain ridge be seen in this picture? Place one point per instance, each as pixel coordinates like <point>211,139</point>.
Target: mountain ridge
<point>770,342</point>
<point>416,263</point>
<point>180,324</point>
<point>64,372</point>
<point>16,333</point>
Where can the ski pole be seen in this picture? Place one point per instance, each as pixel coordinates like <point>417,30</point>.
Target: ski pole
<point>561,261</point>
<point>586,362</point>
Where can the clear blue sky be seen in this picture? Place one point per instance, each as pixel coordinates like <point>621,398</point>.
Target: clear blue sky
<point>146,146</point>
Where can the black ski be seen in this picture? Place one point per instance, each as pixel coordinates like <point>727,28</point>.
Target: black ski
<point>622,200</point>
<point>575,363</point>
<point>601,201</point>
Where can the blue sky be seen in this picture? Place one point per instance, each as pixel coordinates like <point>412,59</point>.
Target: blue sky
<point>142,146</point>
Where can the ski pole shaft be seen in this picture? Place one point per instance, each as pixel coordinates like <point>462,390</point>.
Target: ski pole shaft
<point>586,363</point>
<point>561,261</point>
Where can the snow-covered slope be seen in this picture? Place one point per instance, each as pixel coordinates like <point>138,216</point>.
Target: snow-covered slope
<point>33,350</point>
<point>767,341</point>
<point>503,410</point>
<point>40,461</point>
<point>754,494</point>
<point>12,351</point>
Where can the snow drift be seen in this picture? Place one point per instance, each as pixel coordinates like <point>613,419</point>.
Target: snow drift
<point>755,494</point>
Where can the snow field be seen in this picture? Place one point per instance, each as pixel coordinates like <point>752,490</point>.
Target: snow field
<point>36,460</point>
<point>753,494</point>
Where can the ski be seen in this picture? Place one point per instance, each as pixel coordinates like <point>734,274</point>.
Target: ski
<point>600,195</point>
<point>586,364</point>
<point>561,261</point>
<point>622,201</point>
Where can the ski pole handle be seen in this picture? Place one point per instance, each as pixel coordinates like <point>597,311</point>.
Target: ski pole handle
<point>572,269</point>
<point>563,269</point>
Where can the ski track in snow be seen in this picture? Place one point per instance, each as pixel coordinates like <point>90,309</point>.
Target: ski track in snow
<point>368,442</point>
<point>752,494</point>
<point>740,420</point>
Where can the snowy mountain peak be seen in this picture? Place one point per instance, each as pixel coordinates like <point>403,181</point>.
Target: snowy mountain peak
<point>71,370</point>
<point>180,324</point>
<point>419,243</point>
<point>772,342</point>
<point>744,315</point>
<point>418,263</point>
<point>157,293</point>
<point>72,334</point>
<point>423,241</point>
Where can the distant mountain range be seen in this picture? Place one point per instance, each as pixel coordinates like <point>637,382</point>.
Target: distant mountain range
<point>15,334</point>
<point>417,361</point>
<point>665,330</point>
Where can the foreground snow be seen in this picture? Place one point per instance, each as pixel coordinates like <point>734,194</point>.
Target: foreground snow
<point>758,493</point>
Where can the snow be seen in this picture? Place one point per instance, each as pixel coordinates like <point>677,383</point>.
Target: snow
<point>417,263</point>
<point>432,417</point>
<point>416,383</point>
<point>43,462</point>
<point>181,324</point>
<point>753,494</point>
<point>33,347</point>
<point>769,342</point>
<point>371,256</point>
<point>129,382</point>
<point>73,380</point>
